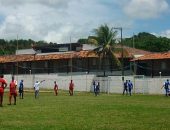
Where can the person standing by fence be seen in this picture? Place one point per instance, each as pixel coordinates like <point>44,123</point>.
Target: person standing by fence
<point>166,87</point>
<point>3,85</point>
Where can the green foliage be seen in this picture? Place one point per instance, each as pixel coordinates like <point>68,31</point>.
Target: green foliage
<point>148,42</point>
<point>84,111</point>
<point>105,35</point>
<point>9,47</point>
<point>105,40</point>
<point>82,41</point>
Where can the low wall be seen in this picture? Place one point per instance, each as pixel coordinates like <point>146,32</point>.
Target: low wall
<point>83,82</point>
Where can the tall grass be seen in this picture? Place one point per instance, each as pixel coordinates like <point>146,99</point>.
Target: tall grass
<point>84,111</point>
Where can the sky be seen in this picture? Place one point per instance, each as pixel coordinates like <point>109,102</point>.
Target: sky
<point>64,21</point>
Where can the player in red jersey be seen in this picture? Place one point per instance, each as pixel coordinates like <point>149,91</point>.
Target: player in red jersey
<point>3,85</point>
<point>55,88</point>
<point>71,88</point>
<point>12,92</point>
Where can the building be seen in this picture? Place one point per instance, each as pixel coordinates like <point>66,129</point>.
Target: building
<point>64,58</point>
<point>155,64</point>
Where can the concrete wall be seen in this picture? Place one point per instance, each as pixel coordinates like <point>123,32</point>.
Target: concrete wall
<point>83,82</point>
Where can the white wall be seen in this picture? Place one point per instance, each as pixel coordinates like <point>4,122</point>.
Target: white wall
<point>83,82</point>
<point>25,51</point>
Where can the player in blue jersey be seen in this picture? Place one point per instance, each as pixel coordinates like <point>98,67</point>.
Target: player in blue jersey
<point>166,87</point>
<point>21,89</point>
<point>125,87</point>
<point>130,87</point>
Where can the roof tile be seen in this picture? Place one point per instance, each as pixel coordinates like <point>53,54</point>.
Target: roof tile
<point>154,56</point>
<point>128,53</point>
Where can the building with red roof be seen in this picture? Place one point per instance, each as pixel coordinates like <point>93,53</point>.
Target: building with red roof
<point>63,58</point>
<point>154,64</point>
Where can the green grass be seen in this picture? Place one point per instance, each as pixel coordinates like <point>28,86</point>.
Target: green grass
<point>84,111</point>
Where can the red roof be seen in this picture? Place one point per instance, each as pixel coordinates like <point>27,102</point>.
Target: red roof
<point>154,56</point>
<point>128,53</point>
<point>133,51</point>
<point>38,57</point>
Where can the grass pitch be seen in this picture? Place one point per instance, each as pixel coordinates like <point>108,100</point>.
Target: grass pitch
<point>84,111</point>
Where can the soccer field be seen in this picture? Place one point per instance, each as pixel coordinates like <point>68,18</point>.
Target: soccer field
<point>84,111</point>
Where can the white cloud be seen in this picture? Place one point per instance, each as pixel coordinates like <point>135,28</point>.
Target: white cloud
<point>145,9</point>
<point>166,33</point>
<point>52,3</point>
<point>51,20</point>
<point>58,20</point>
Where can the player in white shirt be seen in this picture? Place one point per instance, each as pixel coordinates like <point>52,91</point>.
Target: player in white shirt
<point>37,87</point>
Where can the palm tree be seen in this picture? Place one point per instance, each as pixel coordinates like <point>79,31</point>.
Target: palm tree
<point>105,40</point>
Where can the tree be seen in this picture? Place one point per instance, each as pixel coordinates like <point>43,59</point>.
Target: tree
<point>82,41</point>
<point>105,40</point>
<point>9,47</point>
<point>149,42</point>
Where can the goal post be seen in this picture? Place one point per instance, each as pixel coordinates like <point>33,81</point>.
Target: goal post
<point>140,84</point>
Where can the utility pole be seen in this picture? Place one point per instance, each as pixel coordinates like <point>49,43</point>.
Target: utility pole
<point>134,66</point>
<point>122,55</point>
<point>17,54</point>
<point>133,40</point>
<point>71,58</point>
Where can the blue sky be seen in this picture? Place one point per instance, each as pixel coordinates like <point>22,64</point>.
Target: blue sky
<point>58,20</point>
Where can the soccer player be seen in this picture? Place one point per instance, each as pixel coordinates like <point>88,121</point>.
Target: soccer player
<point>12,91</point>
<point>3,85</point>
<point>166,87</point>
<point>21,89</point>
<point>130,87</point>
<point>98,87</point>
<point>55,88</point>
<point>125,89</point>
<point>95,87</point>
<point>37,87</point>
<point>71,88</point>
